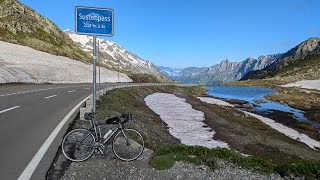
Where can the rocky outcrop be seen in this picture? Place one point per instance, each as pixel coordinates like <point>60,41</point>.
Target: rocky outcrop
<point>300,63</point>
<point>304,49</point>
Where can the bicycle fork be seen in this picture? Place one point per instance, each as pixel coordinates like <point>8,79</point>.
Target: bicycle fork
<point>125,137</point>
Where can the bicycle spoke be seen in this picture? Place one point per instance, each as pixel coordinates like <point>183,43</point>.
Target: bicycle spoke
<point>78,145</point>
<point>128,145</point>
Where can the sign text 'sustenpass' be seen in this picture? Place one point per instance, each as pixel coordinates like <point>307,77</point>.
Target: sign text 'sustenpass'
<point>94,21</point>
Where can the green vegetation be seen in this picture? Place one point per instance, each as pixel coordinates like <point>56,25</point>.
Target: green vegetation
<point>291,70</point>
<point>308,169</point>
<point>199,154</point>
<point>165,156</point>
<point>297,98</point>
<point>307,100</point>
<point>195,90</point>
<point>166,161</point>
<point>307,66</point>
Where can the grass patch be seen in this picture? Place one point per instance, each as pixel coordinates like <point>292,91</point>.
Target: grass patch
<point>195,90</point>
<point>166,156</point>
<point>308,169</point>
<point>297,98</point>
<point>166,161</point>
<point>307,100</point>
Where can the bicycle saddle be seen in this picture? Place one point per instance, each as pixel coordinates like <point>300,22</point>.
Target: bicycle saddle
<point>119,119</point>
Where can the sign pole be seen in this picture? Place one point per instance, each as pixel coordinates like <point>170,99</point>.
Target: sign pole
<point>94,21</point>
<point>94,76</point>
<point>118,69</point>
<point>98,58</point>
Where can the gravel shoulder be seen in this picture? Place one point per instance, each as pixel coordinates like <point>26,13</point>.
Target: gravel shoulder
<point>109,167</point>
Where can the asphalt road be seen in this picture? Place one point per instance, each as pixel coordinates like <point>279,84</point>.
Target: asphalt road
<point>28,115</point>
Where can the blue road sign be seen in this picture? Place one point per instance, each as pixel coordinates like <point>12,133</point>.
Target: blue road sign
<point>94,21</point>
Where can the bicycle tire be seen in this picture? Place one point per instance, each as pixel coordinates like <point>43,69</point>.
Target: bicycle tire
<point>78,145</point>
<point>130,148</point>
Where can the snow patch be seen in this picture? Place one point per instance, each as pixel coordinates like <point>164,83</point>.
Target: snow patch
<point>307,84</point>
<point>214,101</point>
<point>293,134</point>
<point>184,122</point>
<point>23,64</point>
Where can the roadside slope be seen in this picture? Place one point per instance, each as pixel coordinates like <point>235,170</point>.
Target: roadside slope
<point>26,65</point>
<point>22,25</point>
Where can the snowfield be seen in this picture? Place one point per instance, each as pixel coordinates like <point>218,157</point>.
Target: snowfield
<point>23,64</point>
<point>215,101</point>
<point>307,84</point>
<point>184,122</point>
<point>293,134</point>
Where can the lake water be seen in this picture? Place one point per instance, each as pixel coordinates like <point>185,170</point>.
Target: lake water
<point>250,93</point>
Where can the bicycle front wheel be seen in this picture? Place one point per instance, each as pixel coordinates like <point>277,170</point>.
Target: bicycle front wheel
<point>128,144</point>
<point>78,145</point>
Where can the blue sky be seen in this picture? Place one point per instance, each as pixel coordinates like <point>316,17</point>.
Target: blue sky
<point>183,33</point>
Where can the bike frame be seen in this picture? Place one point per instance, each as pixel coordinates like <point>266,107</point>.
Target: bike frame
<point>97,132</point>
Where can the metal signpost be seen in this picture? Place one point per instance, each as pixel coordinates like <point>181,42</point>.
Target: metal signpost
<point>94,21</point>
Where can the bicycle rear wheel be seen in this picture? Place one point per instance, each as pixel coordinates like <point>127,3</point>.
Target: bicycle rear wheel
<point>128,144</point>
<point>78,145</point>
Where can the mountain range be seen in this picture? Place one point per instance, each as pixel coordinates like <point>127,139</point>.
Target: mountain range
<point>299,63</point>
<point>223,72</point>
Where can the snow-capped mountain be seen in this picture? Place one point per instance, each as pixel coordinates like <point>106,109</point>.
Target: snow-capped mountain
<point>171,72</point>
<point>113,56</point>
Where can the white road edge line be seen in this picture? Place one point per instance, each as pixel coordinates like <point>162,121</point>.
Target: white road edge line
<point>28,171</point>
<point>71,91</point>
<point>50,96</point>
<point>9,109</point>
